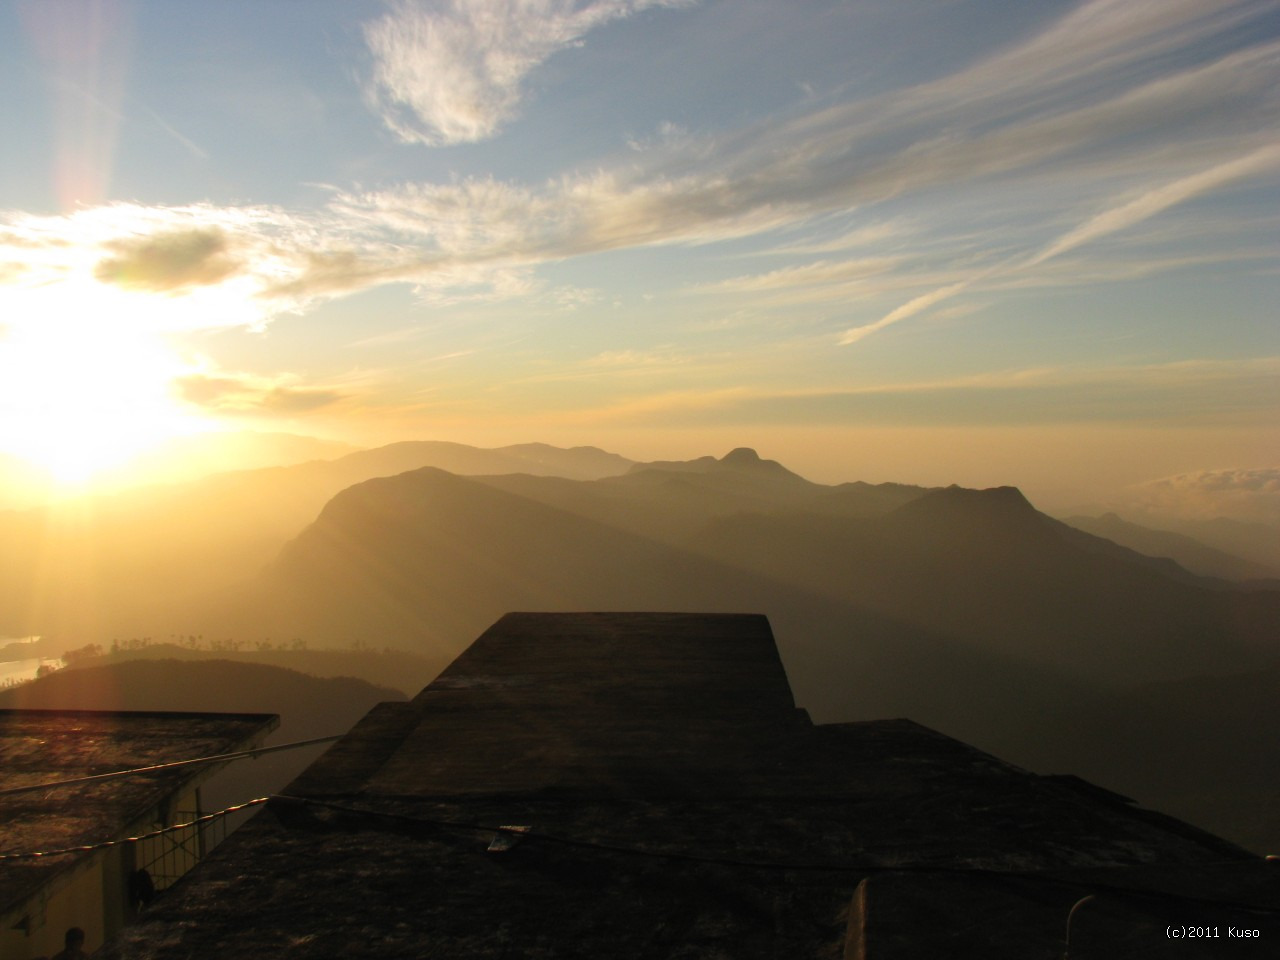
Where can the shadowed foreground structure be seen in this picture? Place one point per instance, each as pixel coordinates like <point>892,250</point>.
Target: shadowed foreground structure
<point>40,897</point>
<point>678,805</point>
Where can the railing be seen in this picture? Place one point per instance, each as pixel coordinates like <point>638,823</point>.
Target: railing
<point>168,856</point>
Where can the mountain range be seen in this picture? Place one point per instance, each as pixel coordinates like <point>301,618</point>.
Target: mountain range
<point>138,562</point>
<point>1196,555</point>
<point>967,610</point>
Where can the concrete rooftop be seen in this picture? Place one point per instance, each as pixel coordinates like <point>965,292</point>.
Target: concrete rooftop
<point>679,805</point>
<point>45,746</point>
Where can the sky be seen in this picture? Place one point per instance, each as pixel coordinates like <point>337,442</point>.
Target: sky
<point>927,241</point>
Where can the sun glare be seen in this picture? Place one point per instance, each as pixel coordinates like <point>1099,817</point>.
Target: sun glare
<point>84,386</point>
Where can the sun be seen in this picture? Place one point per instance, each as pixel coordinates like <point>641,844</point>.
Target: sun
<point>85,384</point>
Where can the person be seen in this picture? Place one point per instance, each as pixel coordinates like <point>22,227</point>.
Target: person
<point>142,890</point>
<point>74,946</point>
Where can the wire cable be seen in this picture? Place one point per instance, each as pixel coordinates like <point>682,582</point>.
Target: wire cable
<point>524,834</point>
<point>104,844</point>
<point>157,767</point>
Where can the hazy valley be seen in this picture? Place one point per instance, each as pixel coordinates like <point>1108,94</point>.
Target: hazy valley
<point>968,610</point>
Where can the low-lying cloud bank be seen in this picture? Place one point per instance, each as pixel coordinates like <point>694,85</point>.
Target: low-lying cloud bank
<point>1247,494</point>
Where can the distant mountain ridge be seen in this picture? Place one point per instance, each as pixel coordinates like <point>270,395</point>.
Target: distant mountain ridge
<point>133,562</point>
<point>983,566</point>
<point>967,610</point>
<point>739,460</point>
<point>538,459</point>
<point>1186,550</point>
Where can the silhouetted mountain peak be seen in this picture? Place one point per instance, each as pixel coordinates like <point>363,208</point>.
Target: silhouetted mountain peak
<point>1008,497</point>
<point>745,459</point>
<point>741,462</point>
<point>993,507</point>
<point>741,457</point>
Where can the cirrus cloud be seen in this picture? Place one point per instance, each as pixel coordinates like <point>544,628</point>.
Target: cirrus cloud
<point>1130,128</point>
<point>247,395</point>
<point>455,71</point>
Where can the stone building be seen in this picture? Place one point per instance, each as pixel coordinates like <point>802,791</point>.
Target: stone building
<point>643,786</point>
<point>40,897</point>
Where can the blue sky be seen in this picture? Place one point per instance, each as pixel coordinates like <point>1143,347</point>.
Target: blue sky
<point>928,241</point>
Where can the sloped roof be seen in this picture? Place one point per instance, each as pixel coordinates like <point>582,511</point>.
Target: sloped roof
<point>678,805</point>
<point>46,746</point>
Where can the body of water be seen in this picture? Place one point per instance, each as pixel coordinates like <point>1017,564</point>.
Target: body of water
<point>16,671</point>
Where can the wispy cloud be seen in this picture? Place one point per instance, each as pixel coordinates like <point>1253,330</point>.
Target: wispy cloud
<point>183,268</point>
<point>245,395</point>
<point>1118,217</point>
<point>693,404</point>
<point>817,273</point>
<point>1106,98</point>
<point>1116,109</point>
<point>1204,392</point>
<point>877,235</point>
<point>909,309</point>
<point>455,71</point>
<point>1157,200</point>
<point>192,147</point>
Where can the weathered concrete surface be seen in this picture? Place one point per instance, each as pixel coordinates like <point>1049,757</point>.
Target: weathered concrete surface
<point>679,806</point>
<point>44,746</point>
